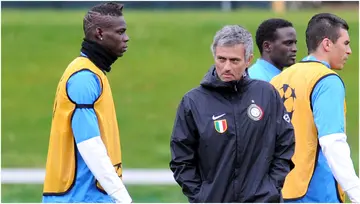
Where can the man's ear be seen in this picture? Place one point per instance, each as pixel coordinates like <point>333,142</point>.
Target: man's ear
<point>99,33</point>
<point>249,60</point>
<point>327,44</point>
<point>267,46</point>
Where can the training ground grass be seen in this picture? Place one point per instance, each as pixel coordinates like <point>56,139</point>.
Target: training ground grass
<point>169,53</point>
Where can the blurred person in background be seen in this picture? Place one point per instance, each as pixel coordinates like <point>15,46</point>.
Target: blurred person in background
<point>230,143</point>
<point>276,40</point>
<point>84,156</point>
<point>314,95</point>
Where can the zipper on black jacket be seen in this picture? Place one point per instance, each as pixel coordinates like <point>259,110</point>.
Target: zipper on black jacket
<point>236,182</point>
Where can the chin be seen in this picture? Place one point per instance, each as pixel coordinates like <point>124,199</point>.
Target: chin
<point>227,79</point>
<point>337,67</point>
<point>291,62</point>
<point>120,54</point>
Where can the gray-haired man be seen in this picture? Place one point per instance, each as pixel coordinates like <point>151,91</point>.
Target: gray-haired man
<point>232,139</point>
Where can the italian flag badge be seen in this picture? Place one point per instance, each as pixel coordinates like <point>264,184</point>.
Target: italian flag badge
<point>220,125</point>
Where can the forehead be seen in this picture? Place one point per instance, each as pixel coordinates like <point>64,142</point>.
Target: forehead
<point>286,33</point>
<point>344,34</point>
<point>235,51</point>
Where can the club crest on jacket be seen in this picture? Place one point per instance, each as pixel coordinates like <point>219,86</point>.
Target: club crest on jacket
<point>220,125</point>
<point>255,112</point>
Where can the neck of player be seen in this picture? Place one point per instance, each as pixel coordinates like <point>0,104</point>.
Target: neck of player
<point>100,56</point>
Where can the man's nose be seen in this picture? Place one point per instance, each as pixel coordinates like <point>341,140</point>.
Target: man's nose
<point>348,51</point>
<point>126,38</point>
<point>227,65</point>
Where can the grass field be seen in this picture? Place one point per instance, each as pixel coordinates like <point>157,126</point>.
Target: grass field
<point>169,52</point>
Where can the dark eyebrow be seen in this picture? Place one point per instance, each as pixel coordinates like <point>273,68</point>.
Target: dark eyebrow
<point>290,40</point>
<point>121,29</point>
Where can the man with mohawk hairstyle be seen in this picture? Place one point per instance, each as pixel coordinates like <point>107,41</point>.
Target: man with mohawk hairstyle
<point>84,155</point>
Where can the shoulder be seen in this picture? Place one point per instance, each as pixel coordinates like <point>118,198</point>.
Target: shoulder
<point>331,80</point>
<point>83,84</point>
<point>262,87</point>
<point>331,84</point>
<point>256,70</point>
<point>195,97</point>
<point>192,94</point>
<point>83,78</point>
<point>258,83</point>
<point>255,66</point>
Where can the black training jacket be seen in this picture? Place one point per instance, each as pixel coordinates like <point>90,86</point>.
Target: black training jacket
<point>232,142</point>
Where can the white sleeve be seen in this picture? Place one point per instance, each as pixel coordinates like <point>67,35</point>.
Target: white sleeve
<point>337,153</point>
<point>94,153</point>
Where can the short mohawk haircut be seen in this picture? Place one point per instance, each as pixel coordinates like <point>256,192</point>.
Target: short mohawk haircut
<point>109,9</point>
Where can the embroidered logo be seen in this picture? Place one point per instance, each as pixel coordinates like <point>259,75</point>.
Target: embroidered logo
<point>287,118</point>
<point>220,125</point>
<point>217,117</point>
<point>255,112</point>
